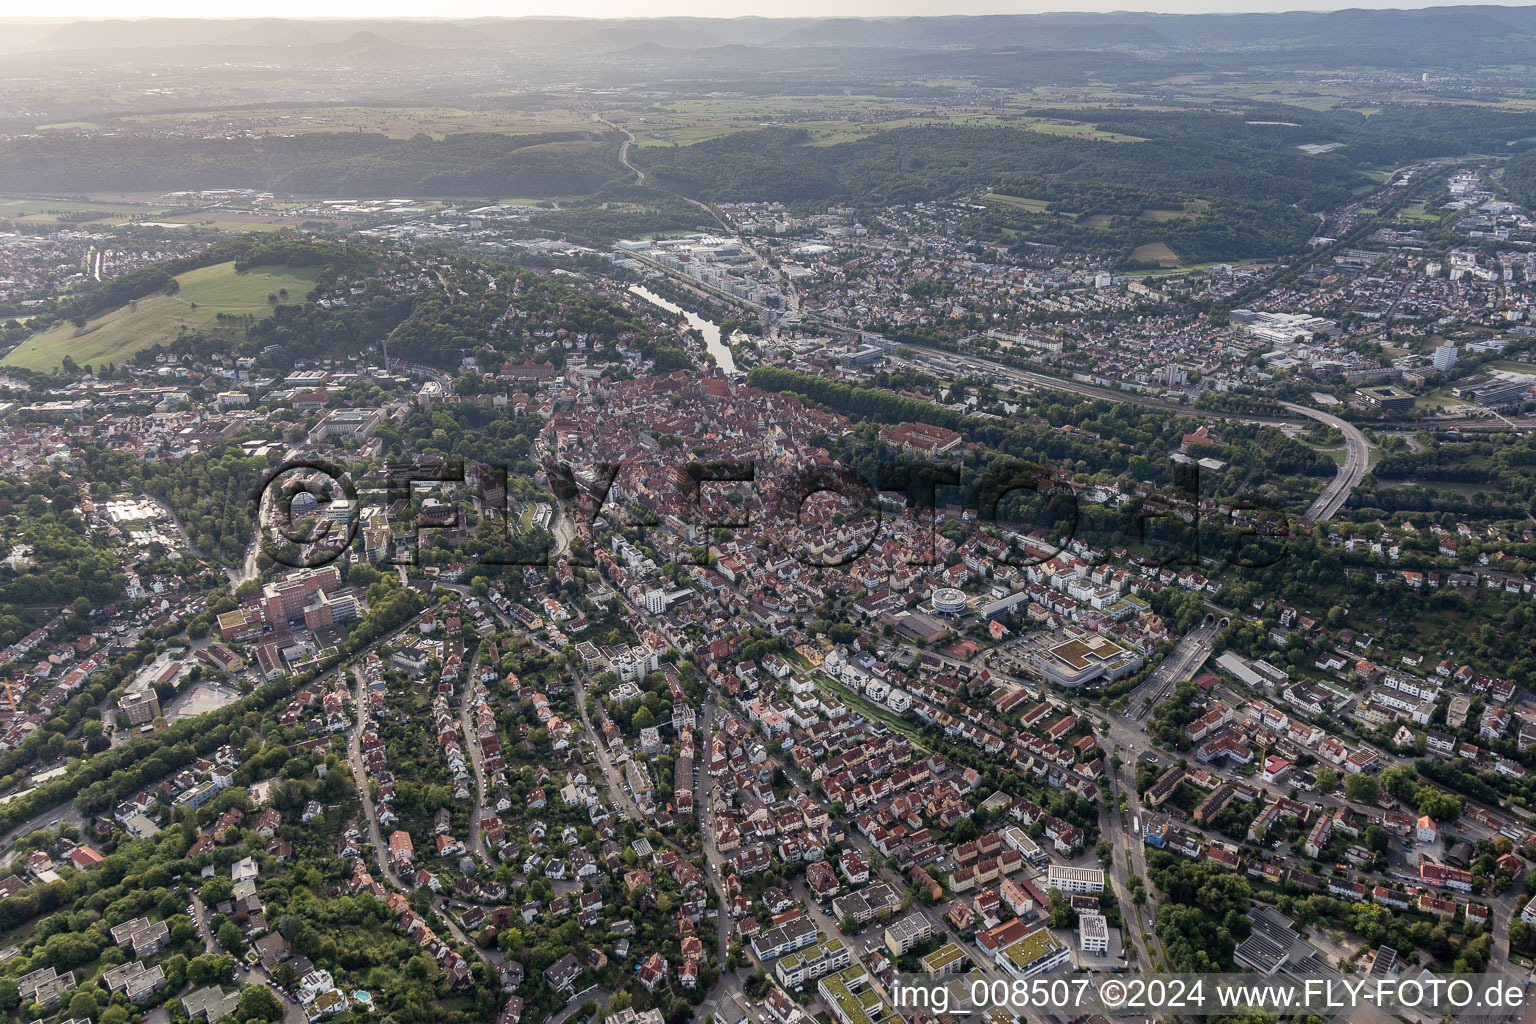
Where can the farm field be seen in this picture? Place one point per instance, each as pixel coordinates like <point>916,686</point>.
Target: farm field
<point>1155,252</point>
<point>1094,220</point>
<point>828,119</point>
<point>395,122</point>
<point>1314,89</point>
<point>64,211</point>
<point>205,293</point>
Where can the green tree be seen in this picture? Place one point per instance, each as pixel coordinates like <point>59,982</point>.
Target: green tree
<point>82,1006</point>
<point>229,936</point>
<point>1362,788</point>
<point>216,890</point>
<point>1376,839</point>
<point>210,968</point>
<point>258,1004</point>
<point>1437,803</point>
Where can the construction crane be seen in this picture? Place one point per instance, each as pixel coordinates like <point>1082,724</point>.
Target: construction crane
<point>10,693</point>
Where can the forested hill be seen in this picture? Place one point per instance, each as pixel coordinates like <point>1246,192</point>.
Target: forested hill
<point>1520,178</point>
<point>1389,137</point>
<point>934,161</point>
<point>321,164</point>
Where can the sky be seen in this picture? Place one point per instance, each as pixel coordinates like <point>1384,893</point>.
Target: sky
<point>61,9</point>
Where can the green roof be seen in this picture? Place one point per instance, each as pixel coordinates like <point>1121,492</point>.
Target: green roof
<point>824,948</point>
<point>943,957</point>
<point>1032,947</point>
<point>856,1007</point>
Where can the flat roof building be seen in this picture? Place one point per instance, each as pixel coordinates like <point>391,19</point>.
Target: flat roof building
<point>1035,953</point>
<point>1093,934</point>
<point>947,959</point>
<point>140,706</point>
<point>1070,880</point>
<point>902,935</point>
<point>1385,398</point>
<point>1084,658</point>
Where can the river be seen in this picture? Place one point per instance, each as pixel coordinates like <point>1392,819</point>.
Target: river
<point>715,345</point>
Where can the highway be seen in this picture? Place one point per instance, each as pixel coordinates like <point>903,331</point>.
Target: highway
<point>1357,459</point>
<point>1031,380</point>
<point>629,140</point>
<point>1327,505</point>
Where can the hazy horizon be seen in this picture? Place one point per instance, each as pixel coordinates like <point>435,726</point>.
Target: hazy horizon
<point>74,10</point>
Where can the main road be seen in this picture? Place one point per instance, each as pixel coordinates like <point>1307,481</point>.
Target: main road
<point>476,755</point>
<point>1182,663</point>
<point>1128,857</point>
<point>360,778</point>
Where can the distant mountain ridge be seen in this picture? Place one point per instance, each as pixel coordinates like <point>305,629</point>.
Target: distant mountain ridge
<point>1435,28</point>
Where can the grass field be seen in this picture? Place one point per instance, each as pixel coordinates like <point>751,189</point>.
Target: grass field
<point>1441,400</point>
<point>1510,366</point>
<point>1076,130</point>
<point>1417,211</point>
<point>1098,220</point>
<point>192,220</point>
<point>1032,205</point>
<point>204,294</point>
